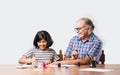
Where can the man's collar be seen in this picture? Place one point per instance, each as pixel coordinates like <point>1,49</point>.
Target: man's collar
<point>90,38</point>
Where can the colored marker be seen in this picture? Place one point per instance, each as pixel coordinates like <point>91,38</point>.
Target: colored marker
<point>44,65</point>
<point>78,64</point>
<point>59,64</point>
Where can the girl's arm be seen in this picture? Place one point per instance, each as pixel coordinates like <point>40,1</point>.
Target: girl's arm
<point>25,60</point>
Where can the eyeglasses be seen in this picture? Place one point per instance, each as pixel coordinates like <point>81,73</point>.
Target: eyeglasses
<point>79,28</point>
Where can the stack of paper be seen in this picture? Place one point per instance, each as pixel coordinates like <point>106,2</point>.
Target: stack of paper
<point>95,70</point>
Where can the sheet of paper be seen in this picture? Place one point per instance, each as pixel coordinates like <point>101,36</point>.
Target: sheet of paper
<point>95,70</point>
<point>23,66</point>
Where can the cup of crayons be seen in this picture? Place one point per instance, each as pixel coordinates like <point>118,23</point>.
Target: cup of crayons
<point>92,61</point>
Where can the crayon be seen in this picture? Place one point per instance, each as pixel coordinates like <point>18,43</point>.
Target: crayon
<point>89,56</point>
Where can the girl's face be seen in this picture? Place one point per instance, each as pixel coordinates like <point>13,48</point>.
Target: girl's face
<point>42,44</point>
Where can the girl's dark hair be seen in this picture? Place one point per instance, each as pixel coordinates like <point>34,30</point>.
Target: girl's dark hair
<point>43,35</point>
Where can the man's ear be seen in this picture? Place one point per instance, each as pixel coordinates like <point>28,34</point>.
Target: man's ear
<point>89,30</point>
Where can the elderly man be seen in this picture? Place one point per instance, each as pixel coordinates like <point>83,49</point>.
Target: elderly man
<point>83,47</point>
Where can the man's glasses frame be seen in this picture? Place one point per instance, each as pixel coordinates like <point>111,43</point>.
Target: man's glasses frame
<point>79,28</point>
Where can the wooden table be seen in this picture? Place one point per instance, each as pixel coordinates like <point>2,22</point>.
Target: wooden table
<point>73,70</point>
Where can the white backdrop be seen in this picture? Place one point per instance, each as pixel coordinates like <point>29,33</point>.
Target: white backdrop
<point>20,20</point>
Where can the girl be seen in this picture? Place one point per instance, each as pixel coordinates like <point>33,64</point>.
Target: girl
<point>41,51</point>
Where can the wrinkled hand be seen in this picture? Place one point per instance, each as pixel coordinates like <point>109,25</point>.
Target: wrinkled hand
<point>74,54</point>
<point>62,62</point>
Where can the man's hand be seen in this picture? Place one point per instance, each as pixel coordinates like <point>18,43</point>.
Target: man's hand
<point>63,62</point>
<point>74,54</point>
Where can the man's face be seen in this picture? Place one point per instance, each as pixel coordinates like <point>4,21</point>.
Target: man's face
<point>82,29</point>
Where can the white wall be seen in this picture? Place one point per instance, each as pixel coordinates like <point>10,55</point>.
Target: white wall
<point>20,20</point>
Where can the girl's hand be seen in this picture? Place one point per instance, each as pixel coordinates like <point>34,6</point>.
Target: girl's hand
<point>48,62</point>
<point>33,59</point>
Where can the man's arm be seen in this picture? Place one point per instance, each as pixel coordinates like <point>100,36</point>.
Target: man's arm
<point>96,50</point>
<point>66,58</point>
<point>83,61</point>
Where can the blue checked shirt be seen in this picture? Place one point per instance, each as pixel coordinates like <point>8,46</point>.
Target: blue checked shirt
<point>92,46</point>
